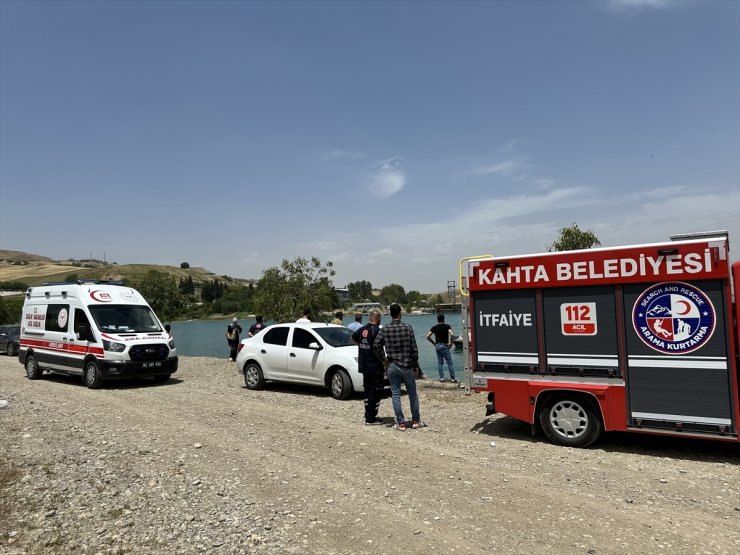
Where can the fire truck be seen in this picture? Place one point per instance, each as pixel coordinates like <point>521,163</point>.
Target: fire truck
<point>639,338</point>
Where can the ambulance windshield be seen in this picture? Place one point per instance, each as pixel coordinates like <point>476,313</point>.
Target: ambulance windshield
<point>125,318</point>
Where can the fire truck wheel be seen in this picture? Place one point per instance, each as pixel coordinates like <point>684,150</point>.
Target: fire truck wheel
<point>253,377</point>
<point>341,385</point>
<point>33,372</point>
<point>570,420</point>
<point>92,376</point>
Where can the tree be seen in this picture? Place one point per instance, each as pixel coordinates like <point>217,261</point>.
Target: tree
<point>212,290</point>
<point>360,290</point>
<point>187,287</point>
<point>572,238</point>
<point>184,265</point>
<point>71,278</point>
<point>11,310</point>
<point>393,293</point>
<point>160,291</point>
<point>283,292</point>
<point>234,299</point>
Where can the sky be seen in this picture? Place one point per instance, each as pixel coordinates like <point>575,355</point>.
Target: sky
<point>390,138</point>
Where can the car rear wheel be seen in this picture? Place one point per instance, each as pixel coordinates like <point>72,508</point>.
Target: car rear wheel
<point>11,350</point>
<point>253,377</point>
<point>570,419</point>
<point>340,385</point>
<point>33,372</point>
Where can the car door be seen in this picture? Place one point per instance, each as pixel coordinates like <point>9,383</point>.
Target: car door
<point>273,352</point>
<point>304,363</point>
<point>4,338</point>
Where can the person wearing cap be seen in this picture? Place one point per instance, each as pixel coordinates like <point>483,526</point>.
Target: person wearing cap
<point>233,331</point>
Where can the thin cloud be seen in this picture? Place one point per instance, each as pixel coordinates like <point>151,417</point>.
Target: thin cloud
<point>507,167</point>
<point>388,179</point>
<point>637,5</point>
<point>339,154</point>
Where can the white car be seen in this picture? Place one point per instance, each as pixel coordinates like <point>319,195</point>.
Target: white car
<point>311,353</point>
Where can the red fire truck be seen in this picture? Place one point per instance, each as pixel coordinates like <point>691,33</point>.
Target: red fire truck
<point>640,338</point>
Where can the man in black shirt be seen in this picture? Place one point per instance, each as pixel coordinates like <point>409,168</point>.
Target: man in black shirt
<point>442,342</point>
<point>370,366</point>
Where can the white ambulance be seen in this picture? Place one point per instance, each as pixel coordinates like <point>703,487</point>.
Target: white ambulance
<point>93,329</point>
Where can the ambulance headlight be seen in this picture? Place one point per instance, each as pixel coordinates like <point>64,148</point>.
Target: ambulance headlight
<point>171,344</point>
<point>113,346</point>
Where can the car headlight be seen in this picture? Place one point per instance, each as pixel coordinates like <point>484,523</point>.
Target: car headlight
<point>171,344</point>
<point>113,346</point>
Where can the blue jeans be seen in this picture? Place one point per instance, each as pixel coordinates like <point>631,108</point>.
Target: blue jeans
<point>443,354</point>
<point>396,375</point>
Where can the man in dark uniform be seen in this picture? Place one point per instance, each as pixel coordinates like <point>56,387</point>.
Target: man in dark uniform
<point>371,367</point>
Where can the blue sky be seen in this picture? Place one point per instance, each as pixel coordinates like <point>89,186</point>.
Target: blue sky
<point>392,138</point>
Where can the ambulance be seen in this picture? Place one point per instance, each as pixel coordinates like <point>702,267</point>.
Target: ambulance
<point>640,338</point>
<point>96,330</point>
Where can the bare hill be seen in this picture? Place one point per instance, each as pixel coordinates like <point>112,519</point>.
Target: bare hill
<point>34,270</point>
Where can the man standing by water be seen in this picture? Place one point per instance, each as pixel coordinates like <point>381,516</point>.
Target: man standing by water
<point>257,327</point>
<point>370,366</point>
<point>233,331</point>
<point>442,342</point>
<point>401,355</point>
<point>357,324</point>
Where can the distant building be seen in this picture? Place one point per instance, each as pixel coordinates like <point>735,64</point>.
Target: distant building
<point>343,294</point>
<point>365,307</point>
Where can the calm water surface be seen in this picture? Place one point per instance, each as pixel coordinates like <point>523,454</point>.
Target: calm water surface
<point>207,338</point>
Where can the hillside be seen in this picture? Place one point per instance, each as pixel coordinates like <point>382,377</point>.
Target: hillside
<point>34,269</point>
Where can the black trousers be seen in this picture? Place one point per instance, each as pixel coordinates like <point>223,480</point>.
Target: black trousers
<point>373,384</point>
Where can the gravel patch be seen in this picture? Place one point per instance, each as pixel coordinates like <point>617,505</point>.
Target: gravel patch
<point>201,464</point>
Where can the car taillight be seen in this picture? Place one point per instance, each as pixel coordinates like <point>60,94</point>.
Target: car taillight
<point>240,347</point>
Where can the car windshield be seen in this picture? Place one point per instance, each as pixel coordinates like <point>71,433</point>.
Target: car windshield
<point>125,318</point>
<point>336,337</point>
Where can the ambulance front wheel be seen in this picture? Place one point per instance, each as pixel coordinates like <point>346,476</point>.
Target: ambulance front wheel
<point>33,372</point>
<point>570,419</point>
<point>93,378</point>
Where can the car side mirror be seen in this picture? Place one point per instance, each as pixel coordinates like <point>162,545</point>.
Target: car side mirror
<point>315,346</point>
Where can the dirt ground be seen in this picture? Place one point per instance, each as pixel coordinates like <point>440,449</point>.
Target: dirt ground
<point>201,464</point>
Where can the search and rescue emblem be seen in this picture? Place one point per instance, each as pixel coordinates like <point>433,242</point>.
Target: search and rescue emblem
<point>673,318</point>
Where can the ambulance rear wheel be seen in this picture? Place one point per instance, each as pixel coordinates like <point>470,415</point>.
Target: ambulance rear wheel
<point>33,372</point>
<point>93,378</point>
<point>570,419</point>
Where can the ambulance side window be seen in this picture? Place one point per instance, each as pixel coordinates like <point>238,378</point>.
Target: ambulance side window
<point>57,317</point>
<point>82,326</point>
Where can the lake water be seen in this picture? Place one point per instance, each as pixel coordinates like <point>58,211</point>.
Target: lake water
<point>207,338</point>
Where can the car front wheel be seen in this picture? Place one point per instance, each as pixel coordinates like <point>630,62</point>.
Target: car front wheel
<point>340,385</point>
<point>93,378</point>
